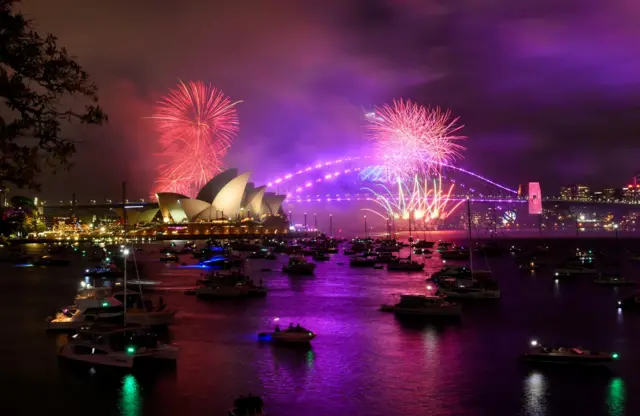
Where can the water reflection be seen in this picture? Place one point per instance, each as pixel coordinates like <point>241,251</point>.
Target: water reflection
<point>535,390</point>
<point>615,397</point>
<point>130,398</point>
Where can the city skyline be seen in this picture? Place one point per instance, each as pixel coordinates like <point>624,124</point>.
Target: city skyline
<point>295,120</point>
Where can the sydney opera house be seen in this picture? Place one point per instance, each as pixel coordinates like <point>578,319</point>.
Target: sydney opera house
<point>227,204</point>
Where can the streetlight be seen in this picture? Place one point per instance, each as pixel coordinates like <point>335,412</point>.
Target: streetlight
<point>615,227</point>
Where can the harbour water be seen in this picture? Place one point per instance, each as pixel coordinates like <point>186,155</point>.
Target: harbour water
<point>363,362</point>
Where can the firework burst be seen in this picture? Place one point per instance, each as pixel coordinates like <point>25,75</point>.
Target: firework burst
<point>197,124</point>
<point>414,199</point>
<point>413,140</point>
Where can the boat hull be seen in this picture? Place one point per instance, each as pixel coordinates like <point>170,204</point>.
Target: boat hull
<point>557,359</point>
<point>448,312</point>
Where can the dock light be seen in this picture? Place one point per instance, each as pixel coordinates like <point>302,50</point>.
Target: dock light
<point>615,355</point>
<point>534,343</point>
<point>619,303</point>
<point>131,349</point>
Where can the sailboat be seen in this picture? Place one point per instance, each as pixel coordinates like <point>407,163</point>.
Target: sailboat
<point>143,311</point>
<point>470,288</point>
<point>406,264</point>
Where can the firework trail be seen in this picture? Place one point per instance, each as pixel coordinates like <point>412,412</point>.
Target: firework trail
<point>413,140</point>
<point>197,124</point>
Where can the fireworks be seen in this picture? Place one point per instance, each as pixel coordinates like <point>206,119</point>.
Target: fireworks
<point>414,199</point>
<point>197,124</point>
<point>413,140</point>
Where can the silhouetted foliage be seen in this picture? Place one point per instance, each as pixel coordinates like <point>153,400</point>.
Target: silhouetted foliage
<point>38,83</point>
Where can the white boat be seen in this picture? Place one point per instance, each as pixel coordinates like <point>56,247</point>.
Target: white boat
<point>86,311</point>
<point>467,289</point>
<point>116,347</point>
<point>293,334</point>
<point>424,306</point>
<point>406,265</point>
<point>562,355</point>
<point>298,265</point>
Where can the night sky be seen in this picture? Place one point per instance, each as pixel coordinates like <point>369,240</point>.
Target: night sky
<point>548,90</point>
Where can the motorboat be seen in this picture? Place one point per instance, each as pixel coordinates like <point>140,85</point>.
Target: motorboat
<point>247,406</point>
<point>563,355</point>
<point>486,289</point>
<point>363,261</point>
<point>321,256</point>
<point>87,309</point>
<point>116,346</point>
<point>143,311</point>
<point>452,273</point>
<point>444,245</point>
<point>51,261</point>
<point>571,270</point>
<point>528,265</point>
<point>407,265</point>
<point>424,306</point>
<point>298,265</point>
<point>105,270</point>
<point>422,251</point>
<point>170,258</point>
<point>294,334</point>
<point>262,254</point>
<point>423,244</point>
<point>231,286</point>
<point>612,279</point>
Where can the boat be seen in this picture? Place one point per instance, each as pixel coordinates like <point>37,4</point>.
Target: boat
<point>451,273</point>
<point>170,258</point>
<point>570,270</point>
<point>298,265</point>
<point>563,355</point>
<point>470,290</point>
<point>105,270</point>
<point>422,251</point>
<point>294,334</point>
<point>385,258</point>
<point>612,279</point>
<point>407,265</point>
<point>87,309</point>
<point>424,306</point>
<point>365,261</point>
<point>51,261</point>
<point>247,406</point>
<point>320,256</point>
<point>143,311</point>
<point>115,346</point>
<point>423,244</point>
<point>454,254</point>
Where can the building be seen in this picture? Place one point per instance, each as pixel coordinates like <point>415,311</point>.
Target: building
<point>575,193</point>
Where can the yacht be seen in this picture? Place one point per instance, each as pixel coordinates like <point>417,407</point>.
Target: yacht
<point>106,270</point>
<point>364,261</point>
<point>232,286</point>
<point>454,254</point>
<point>452,273</point>
<point>424,306</point>
<point>570,270</point>
<point>51,261</point>
<point>405,265</point>
<point>86,310</point>
<point>385,258</point>
<point>293,334</point>
<point>612,279</point>
<point>487,289</point>
<point>321,256</point>
<point>298,265</point>
<point>170,258</point>
<point>116,346</point>
<point>423,244</point>
<point>562,355</point>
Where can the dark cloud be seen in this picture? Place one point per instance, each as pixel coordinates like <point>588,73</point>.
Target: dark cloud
<point>547,90</point>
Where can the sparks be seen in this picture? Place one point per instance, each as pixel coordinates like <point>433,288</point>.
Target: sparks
<point>413,140</point>
<point>197,124</point>
<point>414,199</point>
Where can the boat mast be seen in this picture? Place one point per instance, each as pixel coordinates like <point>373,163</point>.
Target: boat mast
<point>125,251</point>
<point>469,228</point>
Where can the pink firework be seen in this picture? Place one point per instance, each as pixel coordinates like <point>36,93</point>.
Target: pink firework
<point>197,124</point>
<point>413,140</point>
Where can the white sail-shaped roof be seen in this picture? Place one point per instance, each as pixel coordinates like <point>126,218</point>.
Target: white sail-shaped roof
<point>193,207</point>
<point>229,199</point>
<point>169,206</point>
<point>254,200</point>
<point>215,185</point>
